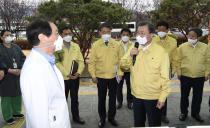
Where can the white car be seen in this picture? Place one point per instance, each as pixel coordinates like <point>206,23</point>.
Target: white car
<point>205,32</point>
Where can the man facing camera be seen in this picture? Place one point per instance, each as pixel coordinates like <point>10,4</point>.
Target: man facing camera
<point>104,60</point>
<point>150,84</point>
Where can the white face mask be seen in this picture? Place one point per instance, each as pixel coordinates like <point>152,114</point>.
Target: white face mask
<point>192,41</point>
<point>67,38</point>
<point>125,38</point>
<point>58,43</point>
<point>141,40</point>
<point>162,34</point>
<point>8,39</point>
<point>106,37</point>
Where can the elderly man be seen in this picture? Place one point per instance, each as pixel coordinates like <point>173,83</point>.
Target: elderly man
<point>150,84</point>
<point>42,84</point>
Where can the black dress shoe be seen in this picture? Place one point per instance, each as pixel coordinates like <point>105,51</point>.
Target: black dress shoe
<point>130,106</point>
<point>10,121</point>
<point>101,124</point>
<point>79,120</point>
<point>198,118</point>
<point>113,122</point>
<point>164,119</point>
<point>119,106</point>
<point>182,117</point>
<point>19,116</point>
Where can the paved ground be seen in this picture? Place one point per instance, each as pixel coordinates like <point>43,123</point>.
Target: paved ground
<point>88,109</point>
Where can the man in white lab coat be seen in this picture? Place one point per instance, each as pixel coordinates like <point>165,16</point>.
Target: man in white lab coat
<point>41,82</point>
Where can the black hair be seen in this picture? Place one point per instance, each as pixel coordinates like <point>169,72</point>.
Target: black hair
<point>150,26</point>
<point>126,30</point>
<point>62,29</point>
<point>198,31</point>
<point>163,23</point>
<point>36,27</point>
<point>2,33</point>
<point>104,25</point>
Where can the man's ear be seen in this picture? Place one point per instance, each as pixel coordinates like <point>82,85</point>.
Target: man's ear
<point>42,37</point>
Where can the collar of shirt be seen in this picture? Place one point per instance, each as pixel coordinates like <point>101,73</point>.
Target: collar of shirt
<point>146,47</point>
<point>103,43</point>
<point>68,46</point>
<point>125,46</point>
<point>50,59</point>
<point>164,40</point>
<point>194,46</point>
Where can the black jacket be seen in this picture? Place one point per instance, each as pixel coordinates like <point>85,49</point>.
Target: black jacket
<point>3,66</point>
<point>10,85</point>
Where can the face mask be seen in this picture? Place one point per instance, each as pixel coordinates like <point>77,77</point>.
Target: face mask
<point>162,34</point>
<point>192,41</point>
<point>141,40</point>
<point>8,39</point>
<point>125,38</point>
<point>58,43</point>
<point>67,38</point>
<point>106,37</point>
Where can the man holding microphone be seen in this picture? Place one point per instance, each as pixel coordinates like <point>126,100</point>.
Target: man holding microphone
<point>150,84</point>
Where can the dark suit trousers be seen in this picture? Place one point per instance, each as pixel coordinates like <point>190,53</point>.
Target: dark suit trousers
<point>186,84</point>
<point>73,87</point>
<point>126,77</point>
<point>104,85</point>
<point>143,108</point>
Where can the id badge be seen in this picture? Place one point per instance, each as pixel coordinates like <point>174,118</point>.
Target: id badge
<point>14,64</point>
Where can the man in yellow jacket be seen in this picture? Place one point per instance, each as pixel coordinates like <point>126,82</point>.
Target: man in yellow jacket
<point>125,43</point>
<point>192,69</point>
<point>150,84</point>
<point>104,60</point>
<point>170,45</point>
<point>70,51</point>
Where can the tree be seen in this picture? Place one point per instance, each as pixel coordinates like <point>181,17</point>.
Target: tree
<point>183,14</point>
<point>83,18</point>
<point>13,13</point>
<point>139,8</point>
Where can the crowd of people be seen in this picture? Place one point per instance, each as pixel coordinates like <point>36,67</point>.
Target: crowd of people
<point>43,80</point>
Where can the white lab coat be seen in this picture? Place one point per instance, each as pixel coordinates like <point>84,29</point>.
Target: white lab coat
<point>43,94</point>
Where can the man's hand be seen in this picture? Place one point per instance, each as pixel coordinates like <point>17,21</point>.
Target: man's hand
<point>160,104</point>
<point>73,77</point>
<point>1,74</point>
<point>120,77</point>
<point>134,51</point>
<point>95,80</point>
<point>14,71</point>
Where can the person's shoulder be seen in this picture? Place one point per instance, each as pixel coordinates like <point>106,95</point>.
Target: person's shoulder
<point>155,38</point>
<point>171,39</point>
<point>158,47</point>
<point>131,42</point>
<point>183,45</point>
<point>16,46</point>
<point>75,45</point>
<point>98,42</point>
<point>203,44</point>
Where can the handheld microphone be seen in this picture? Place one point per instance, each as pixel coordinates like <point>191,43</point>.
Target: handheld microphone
<point>134,56</point>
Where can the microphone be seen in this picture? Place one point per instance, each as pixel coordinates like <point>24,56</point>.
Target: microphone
<point>134,56</point>
<point>106,42</point>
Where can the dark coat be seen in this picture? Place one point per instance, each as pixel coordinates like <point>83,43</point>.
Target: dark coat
<point>3,67</point>
<point>10,85</point>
